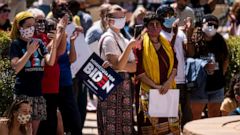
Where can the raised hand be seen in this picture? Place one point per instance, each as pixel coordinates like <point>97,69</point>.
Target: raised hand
<point>232,18</point>
<point>63,22</point>
<point>52,34</point>
<point>175,26</point>
<point>28,128</point>
<point>32,47</point>
<point>188,26</point>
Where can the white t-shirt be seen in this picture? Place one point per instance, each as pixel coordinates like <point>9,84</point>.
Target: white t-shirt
<point>111,44</point>
<point>178,48</point>
<point>187,12</point>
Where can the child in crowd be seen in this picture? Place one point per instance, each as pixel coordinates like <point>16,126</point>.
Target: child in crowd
<point>16,120</point>
<point>232,97</point>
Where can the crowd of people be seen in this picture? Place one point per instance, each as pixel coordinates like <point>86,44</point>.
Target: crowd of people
<point>174,45</point>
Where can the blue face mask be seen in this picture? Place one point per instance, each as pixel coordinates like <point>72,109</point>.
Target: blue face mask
<point>168,22</point>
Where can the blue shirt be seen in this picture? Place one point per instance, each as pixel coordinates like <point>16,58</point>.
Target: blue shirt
<point>94,33</point>
<point>85,20</point>
<point>65,71</point>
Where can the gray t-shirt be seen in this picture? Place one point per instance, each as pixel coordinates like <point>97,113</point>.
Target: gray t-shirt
<point>187,12</point>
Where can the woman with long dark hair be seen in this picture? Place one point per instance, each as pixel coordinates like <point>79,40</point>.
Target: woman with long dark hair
<point>212,47</point>
<point>16,120</point>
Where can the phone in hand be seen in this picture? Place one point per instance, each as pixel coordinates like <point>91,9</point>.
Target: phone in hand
<point>138,30</point>
<point>50,26</point>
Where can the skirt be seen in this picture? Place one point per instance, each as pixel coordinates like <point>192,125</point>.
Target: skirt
<point>115,114</point>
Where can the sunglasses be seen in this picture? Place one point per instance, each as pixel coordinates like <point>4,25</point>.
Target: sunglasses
<point>213,24</point>
<point>5,10</point>
<point>41,21</point>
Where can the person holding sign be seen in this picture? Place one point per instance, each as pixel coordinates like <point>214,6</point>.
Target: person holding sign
<point>114,115</point>
<point>156,69</point>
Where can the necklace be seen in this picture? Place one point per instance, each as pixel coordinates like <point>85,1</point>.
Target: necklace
<point>157,46</point>
<point>155,42</point>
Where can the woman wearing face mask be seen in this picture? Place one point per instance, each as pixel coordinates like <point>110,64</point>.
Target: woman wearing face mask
<point>28,57</point>
<point>115,113</point>
<point>156,69</point>
<point>16,120</point>
<point>212,46</point>
<point>50,81</point>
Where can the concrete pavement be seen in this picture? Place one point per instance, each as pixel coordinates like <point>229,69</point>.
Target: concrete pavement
<point>90,125</point>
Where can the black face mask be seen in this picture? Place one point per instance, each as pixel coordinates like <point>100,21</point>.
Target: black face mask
<point>60,11</point>
<point>195,2</point>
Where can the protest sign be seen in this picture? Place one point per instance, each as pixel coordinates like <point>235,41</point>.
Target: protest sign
<point>99,80</point>
<point>89,67</point>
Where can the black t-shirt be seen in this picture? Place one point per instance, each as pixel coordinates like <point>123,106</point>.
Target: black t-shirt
<point>218,47</point>
<point>28,80</point>
<point>6,26</point>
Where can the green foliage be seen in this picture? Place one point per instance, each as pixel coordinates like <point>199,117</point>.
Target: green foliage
<point>7,77</point>
<point>234,56</point>
<point>4,43</point>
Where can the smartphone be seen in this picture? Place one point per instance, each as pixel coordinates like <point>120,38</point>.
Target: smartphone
<point>138,30</point>
<point>50,26</point>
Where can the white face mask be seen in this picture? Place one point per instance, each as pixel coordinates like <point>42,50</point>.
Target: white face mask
<point>23,119</point>
<point>28,32</point>
<point>209,30</point>
<point>119,23</point>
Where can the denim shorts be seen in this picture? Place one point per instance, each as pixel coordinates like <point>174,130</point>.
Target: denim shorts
<point>216,96</point>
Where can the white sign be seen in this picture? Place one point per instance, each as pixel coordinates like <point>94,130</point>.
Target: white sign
<point>163,105</point>
<point>82,49</point>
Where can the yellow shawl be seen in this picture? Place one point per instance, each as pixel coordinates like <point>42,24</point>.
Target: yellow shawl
<point>151,62</point>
